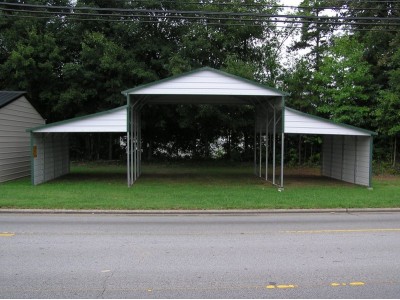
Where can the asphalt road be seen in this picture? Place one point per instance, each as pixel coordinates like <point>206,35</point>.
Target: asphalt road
<point>204,256</point>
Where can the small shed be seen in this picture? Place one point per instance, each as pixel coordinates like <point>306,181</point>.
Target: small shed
<point>16,116</point>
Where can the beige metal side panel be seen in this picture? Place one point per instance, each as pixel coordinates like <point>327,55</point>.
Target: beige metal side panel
<point>15,118</point>
<point>347,158</point>
<point>363,160</point>
<point>52,160</point>
<point>38,161</point>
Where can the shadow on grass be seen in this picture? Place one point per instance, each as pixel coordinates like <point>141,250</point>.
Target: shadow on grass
<point>94,177</point>
<point>193,177</point>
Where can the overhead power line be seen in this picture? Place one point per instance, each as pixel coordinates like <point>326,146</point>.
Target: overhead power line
<point>188,12</point>
<point>181,17</point>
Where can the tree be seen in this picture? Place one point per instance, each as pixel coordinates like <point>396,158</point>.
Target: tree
<point>388,111</point>
<point>342,80</point>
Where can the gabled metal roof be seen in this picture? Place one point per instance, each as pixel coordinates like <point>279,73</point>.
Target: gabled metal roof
<point>113,120</point>
<point>205,85</point>
<point>6,97</point>
<point>301,123</point>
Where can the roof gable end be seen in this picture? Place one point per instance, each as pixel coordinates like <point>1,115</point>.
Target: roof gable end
<point>205,81</point>
<point>6,97</point>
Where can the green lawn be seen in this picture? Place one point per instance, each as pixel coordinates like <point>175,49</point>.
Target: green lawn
<point>194,186</point>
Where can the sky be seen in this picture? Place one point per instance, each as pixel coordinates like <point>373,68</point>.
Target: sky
<point>291,2</point>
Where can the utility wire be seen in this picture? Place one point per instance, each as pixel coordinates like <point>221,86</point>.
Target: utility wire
<point>206,21</point>
<point>190,23</point>
<point>181,13</point>
<point>211,18</point>
<point>240,19</point>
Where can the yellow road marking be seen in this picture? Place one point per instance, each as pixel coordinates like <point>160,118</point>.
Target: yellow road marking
<point>338,284</point>
<point>344,230</point>
<point>281,286</point>
<point>335,284</point>
<point>356,283</point>
<point>359,283</point>
<point>6,234</point>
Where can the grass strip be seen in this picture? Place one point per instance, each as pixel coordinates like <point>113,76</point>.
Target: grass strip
<point>195,186</point>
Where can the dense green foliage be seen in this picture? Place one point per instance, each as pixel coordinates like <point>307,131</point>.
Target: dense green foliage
<point>73,64</point>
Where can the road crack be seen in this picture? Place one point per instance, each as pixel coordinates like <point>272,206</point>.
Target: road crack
<point>105,283</point>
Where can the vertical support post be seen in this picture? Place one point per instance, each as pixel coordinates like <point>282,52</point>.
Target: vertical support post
<point>140,142</point>
<point>282,156</point>
<point>342,158</point>
<point>274,147</point>
<point>128,129</point>
<point>44,156</point>
<point>137,144</point>
<point>371,145</point>
<point>266,145</point>
<point>355,158</point>
<point>255,143</point>
<point>32,159</point>
<point>128,155</point>
<point>132,147</point>
<point>260,150</point>
<point>331,158</point>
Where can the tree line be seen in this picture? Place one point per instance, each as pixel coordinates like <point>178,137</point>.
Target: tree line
<point>337,59</point>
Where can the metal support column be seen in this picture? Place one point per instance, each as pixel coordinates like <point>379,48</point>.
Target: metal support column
<point>260,150</point>
<point>255,145</point>
<point>266,145</point>
<point>282,157</point>
<point>137,145</point>
<point>128,157</point>
<point>128,149</point>
<point>355,159</point>
<point>274,147</point>
<point>140,142</point>
<point>132,147</point>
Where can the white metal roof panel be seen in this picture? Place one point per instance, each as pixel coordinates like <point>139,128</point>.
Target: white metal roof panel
<point>205,81</point>
<point>114,120</point>
<point>301,123</point>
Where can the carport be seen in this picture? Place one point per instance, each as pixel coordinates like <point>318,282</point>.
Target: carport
<point>347,151</point>
<point>50,143</point>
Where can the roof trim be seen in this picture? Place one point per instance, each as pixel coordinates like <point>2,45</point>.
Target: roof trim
<point>332,122</point>
<point>147,85</point>
<point>17,94</point>
<point>68,121</point>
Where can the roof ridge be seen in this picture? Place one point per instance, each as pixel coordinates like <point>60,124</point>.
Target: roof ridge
<point>6,97</point>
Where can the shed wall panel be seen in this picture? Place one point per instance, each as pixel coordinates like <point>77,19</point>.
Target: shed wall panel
<point>350,159</point>
<point>52,159</point>
<point>15,118</point>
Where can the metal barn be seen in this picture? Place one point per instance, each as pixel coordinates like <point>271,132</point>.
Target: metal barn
<point>16,116</point>
<point>347,150</point>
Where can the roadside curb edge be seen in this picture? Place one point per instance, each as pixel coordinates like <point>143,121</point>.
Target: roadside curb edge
<point>198,212</point>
